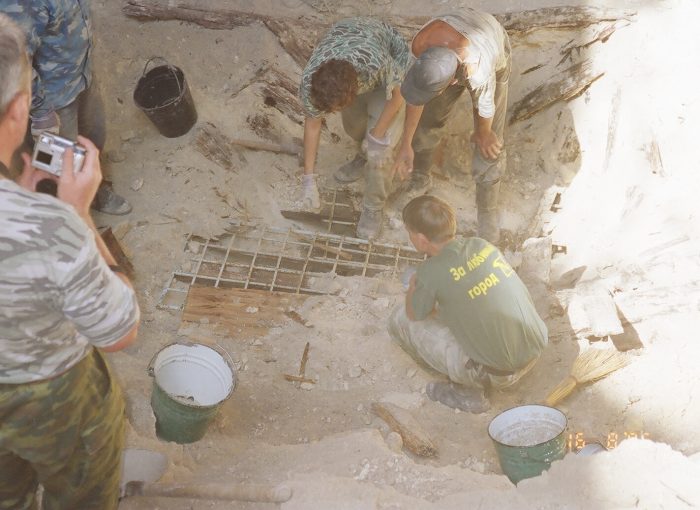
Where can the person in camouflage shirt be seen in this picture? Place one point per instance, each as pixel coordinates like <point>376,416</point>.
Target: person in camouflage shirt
<point>61,297</point>
<point>65,100</point>
<point>356,68</point>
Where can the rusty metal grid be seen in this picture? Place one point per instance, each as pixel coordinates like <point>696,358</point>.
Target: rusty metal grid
<point>280,260</point>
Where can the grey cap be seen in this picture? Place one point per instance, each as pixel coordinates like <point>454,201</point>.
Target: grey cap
<point>429,75</point>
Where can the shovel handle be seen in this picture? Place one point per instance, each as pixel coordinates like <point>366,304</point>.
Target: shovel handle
<point>258,493</point>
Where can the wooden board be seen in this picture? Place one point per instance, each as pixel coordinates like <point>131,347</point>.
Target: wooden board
<point>564,86</point>
<point>244,313</point>
<point>117,252</point>
<point>415,439</point>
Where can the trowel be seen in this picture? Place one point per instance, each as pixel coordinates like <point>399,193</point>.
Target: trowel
<point>141,469</point>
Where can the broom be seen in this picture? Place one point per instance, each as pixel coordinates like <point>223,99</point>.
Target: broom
<point>591,365</point>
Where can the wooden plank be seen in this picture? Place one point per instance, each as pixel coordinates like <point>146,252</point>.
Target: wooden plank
<point>117,252</point>
<point>244,313</point>
<point>564,86</point>
<point>415,439</point>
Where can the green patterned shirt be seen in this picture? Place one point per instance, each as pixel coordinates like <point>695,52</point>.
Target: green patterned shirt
<point>377,51</point>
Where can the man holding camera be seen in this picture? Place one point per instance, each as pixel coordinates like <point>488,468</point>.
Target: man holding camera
<point>65,100</point>
<point>61,297</point>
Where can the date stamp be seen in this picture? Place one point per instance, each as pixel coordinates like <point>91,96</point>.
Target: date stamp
<point>577,440</point>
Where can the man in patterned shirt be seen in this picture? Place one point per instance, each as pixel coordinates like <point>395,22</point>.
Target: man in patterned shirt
<point>65,100</point>
<point>356,68</point>
<point>61,297</point>
<point>470,51</point>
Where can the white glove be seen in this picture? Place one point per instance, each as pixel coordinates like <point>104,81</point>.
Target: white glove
<point>49,122</point>
<point>378,150</point>
<point>311,200</point>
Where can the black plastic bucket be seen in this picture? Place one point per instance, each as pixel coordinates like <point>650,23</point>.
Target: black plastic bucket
<point>163,95</point>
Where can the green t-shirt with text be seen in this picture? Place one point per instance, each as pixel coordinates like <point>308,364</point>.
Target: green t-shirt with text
<point>483,302</point>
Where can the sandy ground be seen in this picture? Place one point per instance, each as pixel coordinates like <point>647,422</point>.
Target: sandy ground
<point>631,222</point>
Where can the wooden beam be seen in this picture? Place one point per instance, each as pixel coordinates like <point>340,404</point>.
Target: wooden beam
<point>117,252</point>
<point>564,86</point>
<point>415,439</point>
<point>299,36</point>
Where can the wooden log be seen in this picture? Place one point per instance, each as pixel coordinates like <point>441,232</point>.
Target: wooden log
<point>415,439</point>
<point>564,86</point>
<point>299,36</point>
<point>117,252</point>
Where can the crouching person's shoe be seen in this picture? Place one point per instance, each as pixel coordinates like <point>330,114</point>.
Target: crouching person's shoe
<point>108,202</point>
<point>370,224</point>
<point>470,400</point>
<point>352,170</point>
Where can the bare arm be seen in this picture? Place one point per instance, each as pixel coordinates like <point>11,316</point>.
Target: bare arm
<point>391,108</point>
<point>78,189</point>
<point>312,135</point>
<point>404,159</point>
<point>484,137</point>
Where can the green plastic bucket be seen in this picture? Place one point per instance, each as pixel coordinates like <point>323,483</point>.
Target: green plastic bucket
<point>528,439</point>
<point>190,382</point>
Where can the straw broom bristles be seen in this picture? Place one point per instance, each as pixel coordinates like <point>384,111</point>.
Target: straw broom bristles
<point>591,365</point>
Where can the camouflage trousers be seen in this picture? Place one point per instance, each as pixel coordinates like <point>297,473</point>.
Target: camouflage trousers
<point>65,433</point>
<point>360,117</point>
<point>431,343</point>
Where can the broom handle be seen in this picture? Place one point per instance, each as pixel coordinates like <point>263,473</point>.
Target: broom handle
<point>258,493</point>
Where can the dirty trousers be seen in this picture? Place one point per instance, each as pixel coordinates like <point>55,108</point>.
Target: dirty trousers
<point>85,116</point>
<point>358,118</point>
<point>65,433</point>
<point>486,173</point>
<point>431,343</point>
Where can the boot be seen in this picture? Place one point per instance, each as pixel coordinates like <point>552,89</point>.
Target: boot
<point>487,214</point>
<point>470,400</point>
<point>370,224</point>
<point>418,184</point>
<point>351,171</point>
<point>108,202</point>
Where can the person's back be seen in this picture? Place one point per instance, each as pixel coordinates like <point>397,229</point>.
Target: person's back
<point>467,314</point>
<point>55,293</point>
<point>484,303</point>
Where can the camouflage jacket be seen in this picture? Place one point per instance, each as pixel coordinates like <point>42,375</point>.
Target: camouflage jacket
<point>57,295</point>
<point>59,41</point>
<point>377,51</point>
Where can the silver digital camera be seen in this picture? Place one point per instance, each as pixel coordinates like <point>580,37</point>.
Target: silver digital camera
<point>49,150</point>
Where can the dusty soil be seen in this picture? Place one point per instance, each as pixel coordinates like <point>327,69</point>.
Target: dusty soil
<point>624,154</point>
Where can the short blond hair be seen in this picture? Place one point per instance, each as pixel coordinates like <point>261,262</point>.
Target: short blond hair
<point>430,216</point>
<point>15,71</point>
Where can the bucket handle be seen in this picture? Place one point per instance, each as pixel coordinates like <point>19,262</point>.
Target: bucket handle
<point>214,347</point>
<point>172,70</point>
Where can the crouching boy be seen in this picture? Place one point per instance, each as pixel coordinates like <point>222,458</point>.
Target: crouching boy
<point>467,313</point>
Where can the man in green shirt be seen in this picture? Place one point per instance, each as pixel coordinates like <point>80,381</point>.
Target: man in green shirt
<point>467,313</point>
<point>356,69</point>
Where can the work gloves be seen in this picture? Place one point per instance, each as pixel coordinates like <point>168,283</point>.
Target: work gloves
<point>379,151</point>
<point>311,201</point>
<point>49,122</point>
